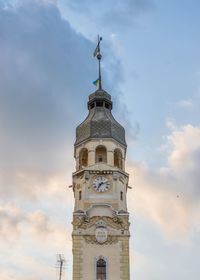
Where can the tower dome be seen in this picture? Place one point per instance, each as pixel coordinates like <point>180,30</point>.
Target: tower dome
<point>100,122</point>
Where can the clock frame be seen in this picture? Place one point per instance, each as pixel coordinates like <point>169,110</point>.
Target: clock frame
<point>100,184</point>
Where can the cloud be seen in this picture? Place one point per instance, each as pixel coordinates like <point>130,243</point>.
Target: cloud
<point>43,63</point>
<point>45,72</point>
<point>116,13</point>
<point>170,195</point>
<point>186,104</point>
<point>30,241</point>
<point>46,68</point>
<point>11,218</point>
<point>40,60</point>
<point>126,12</point>
<point>185,144</point>
<point>6,275</point>
<point>15,223</point>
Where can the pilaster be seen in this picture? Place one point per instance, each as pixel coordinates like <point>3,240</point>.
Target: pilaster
<point>124,259</point>
<point>77,257</point>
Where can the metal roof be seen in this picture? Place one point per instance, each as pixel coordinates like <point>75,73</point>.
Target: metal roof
<point>100,122</point>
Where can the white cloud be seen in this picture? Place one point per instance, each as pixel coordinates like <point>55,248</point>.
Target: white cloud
<point>15,223</point>
<point>185,144</point>
<point>43,62</point>
<point>115,13</point>
<point>170,195</point>
<point>186,104</point>
<point>29,242</point>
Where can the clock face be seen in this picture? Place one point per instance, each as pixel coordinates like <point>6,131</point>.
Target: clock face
<point>100,184</point>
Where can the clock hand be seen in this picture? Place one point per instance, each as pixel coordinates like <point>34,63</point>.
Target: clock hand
<point>99,185</point>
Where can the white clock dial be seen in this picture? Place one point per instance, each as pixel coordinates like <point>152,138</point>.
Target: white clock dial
<point>100,184</point>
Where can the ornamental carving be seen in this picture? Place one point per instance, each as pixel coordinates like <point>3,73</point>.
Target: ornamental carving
<point>92,240</point>
<point>101,234</point>
<point>86,222</point>
<point>78,186</point>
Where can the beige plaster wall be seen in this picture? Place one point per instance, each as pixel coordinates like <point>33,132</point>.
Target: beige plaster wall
<point>85,256</point>
<point>109,252</point>
<point>91,145</point>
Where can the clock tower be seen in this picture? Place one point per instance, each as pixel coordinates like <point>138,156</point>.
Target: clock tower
<point>100,219</point>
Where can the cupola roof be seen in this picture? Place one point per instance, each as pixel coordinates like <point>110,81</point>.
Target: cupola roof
<point>100,123</point>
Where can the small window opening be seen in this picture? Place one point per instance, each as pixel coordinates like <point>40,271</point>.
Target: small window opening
<point>107,105</point>
<point>101,269</point>
<point>118,158</point>
<point>99,104</point>
<point>121,195</point>
<point>92,105</point>
<point>80,195</point>
<point>83,158</point>
<point>101,154</point>
<point>100,159</point>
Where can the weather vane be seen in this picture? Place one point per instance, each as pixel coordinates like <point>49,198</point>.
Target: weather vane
<point>98,55</point>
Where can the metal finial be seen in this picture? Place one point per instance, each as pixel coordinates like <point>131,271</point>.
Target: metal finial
<point>98,55</point>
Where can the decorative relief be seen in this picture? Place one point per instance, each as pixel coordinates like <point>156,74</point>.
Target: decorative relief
<point>92,239</point>
<point>115,176</point>
<point>101,172</point>
<point>87,175</point>
<point>101,223</point>
<point>85,222</point>
<point>101,234</point>
<point>78,186</point>
<point>77,223</point>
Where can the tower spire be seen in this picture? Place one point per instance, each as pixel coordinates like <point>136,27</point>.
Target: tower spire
<point>98,55</point>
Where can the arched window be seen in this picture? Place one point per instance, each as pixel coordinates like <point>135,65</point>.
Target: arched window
<point>83,158</point>
<point>101,154</point>
<point>101,269</point>
<point>118,158</point>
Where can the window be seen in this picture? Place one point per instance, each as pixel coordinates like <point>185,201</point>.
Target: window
<point>107,105</point>
<point>121,195</point>
<point>92,105</point>
<point>118,158</point>
<point>99,103</point>
<point>83,158</point>
<point>80,195</point>
<point>101,269</point>
<point>100,159</point>
<point>101,154</point>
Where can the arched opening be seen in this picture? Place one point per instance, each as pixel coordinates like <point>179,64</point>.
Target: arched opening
<point>83,158</point>
<point>101,154</point>
<point>101,269</point>
<point>118,158</point>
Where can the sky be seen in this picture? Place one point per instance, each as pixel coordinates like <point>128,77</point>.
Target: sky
<point>151,67</point>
